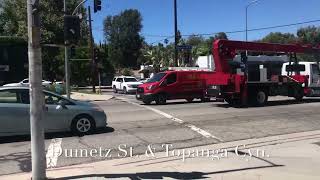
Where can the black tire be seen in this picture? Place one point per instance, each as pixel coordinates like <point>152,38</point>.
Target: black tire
<point>189,100</point>
<point>125,90</point>
<point>161,99</point>
<point>299,94</point>
<point>260,98</point>
<point>114,89</point>
<point>203,99</point>
<point>83,124</point>
<point>147,102</point>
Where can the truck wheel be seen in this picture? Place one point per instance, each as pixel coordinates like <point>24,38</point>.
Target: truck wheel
<point>298,94</point>
<point>189,100</point>
<point>161,99</point>
<point>260,98</point>
<point>114,89</point>
<point>125,90</point>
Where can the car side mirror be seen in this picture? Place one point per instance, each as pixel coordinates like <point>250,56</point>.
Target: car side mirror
<point>61,105</point>
<point>164,83</point>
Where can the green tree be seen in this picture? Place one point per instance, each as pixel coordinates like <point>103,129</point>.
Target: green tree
<point>278,37</point>
<point>13,22</point>
<point>309,35</point>
<point>122,33</point>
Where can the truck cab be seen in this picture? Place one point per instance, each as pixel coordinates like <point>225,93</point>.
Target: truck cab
<point>312,71</point>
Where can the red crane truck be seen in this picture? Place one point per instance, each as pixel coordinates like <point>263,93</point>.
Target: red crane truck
<point>238,84</point>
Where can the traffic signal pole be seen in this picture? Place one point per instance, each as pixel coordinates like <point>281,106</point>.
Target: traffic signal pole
<point>93,64</point>
<point>38,157</point>
<point>175,34</point>
<point>66,60</point>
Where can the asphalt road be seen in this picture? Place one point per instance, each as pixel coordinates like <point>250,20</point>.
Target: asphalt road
<point>179,123</point>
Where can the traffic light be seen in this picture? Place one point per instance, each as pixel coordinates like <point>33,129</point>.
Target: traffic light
<point>96,52</point>
<point>71,29</point>
<point>72,51</point>
<point>97,5</point>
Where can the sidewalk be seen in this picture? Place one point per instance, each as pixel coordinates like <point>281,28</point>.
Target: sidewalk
<point>90,97</point>
<point>293,156</point>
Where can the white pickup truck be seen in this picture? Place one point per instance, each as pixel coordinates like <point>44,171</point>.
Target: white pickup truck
<point>126,84</point>
<point>312,70</point>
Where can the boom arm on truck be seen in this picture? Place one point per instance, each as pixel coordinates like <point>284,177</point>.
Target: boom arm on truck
<point>230,80</point>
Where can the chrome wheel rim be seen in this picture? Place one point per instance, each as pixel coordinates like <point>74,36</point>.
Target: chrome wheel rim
<point>83,125</point>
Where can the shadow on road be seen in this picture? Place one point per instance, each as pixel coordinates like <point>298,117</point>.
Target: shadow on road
<point>180,102</point>
<point>22,138</point>
<point>164,175</point>
<point>275,103</point>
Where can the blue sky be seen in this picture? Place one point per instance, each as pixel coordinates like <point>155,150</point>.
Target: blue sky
<point>208,16</point>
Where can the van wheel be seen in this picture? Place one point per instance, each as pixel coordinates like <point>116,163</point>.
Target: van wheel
<point>147,102</point>
<point>203,99</point>
<point>189,100</point>
<point>161,99</point>
<point>260,98</point>
<point>82,125</point>
<point>114,89</point>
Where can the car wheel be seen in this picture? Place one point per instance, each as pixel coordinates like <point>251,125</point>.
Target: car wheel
<point>82,124</point>
<point>125,90</point>
<point>189,100</point>
<point>114,89</point>
<point>161,99</point>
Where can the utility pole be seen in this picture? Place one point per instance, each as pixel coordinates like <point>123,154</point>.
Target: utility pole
<point>66,61</point>
<point>35,90</point>
<point>93,63</point>
<point>175,34</point>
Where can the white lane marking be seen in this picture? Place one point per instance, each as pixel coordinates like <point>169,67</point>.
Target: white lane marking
<point>180,121</point>
<point>54,151</point>
<point>203,132</point>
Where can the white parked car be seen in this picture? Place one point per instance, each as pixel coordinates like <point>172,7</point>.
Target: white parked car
<point>25,83</point>
<point>126,84</point>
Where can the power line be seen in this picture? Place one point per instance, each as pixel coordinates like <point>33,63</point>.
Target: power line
<point>242,31</point>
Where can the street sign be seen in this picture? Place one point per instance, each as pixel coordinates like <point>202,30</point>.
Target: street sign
<point>185,47</point>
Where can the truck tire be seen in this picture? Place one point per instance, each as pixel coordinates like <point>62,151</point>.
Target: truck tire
<point>298,94</point>
<point>125,90</point>
<point>260,98</point>
<point>189,100</point>
<point>114,89</point>
<point>161,99</point>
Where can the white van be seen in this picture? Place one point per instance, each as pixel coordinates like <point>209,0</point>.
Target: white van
<point>312,70</point>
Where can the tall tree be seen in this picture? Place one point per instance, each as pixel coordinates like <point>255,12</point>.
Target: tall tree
<point>13,22</point>
<point>278,37</point>
<point>122,33</point>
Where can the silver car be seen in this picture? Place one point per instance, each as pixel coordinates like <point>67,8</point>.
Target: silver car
<point>61,114</point>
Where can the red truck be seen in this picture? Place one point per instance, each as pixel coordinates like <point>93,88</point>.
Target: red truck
<point>238,83</point>
<point>176,84</point>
